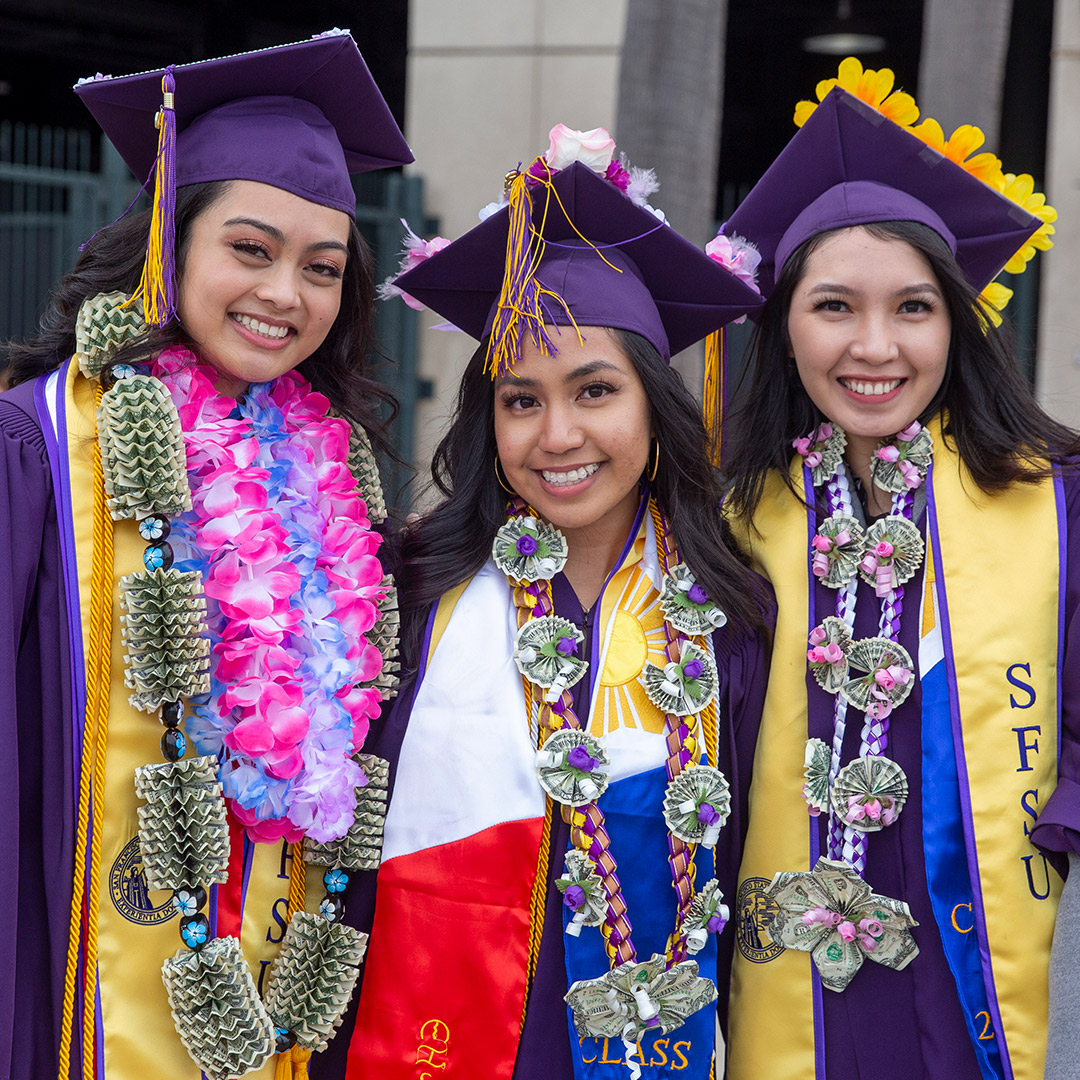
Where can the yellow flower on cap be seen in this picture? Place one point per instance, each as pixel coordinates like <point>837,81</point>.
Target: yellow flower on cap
<point>993,300</point>
<point>1021,190</point>
<point>873,87</point>
<point>959,147</point>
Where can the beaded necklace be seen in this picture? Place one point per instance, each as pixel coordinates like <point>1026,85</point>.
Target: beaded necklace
<point>831,911</point>
<point>183,833</point>
<point>632,997</point>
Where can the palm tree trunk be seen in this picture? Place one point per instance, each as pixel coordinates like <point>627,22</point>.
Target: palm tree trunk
<point>671,83</point>
<point>669,104</point>
<point>964,43</point>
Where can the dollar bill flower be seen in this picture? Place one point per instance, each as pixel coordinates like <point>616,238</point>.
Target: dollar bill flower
<point>835,916</point>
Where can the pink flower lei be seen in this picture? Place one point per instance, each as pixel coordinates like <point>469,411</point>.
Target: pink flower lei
<point>288,559</point>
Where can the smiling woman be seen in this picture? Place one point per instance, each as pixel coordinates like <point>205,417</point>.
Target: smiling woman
<point>919,517</point>
<point>188,557</point>
<point>585,653</point>
<point>261,283</point>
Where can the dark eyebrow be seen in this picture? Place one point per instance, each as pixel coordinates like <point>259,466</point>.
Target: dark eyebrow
<point>581,372</point>
<point>846,290</point>
<point>278,236</point>
<point>590,368</point>
<point>829,287</point>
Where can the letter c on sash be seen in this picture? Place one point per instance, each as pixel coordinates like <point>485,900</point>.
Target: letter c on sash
<point>956,926</point>
<point>581,1043</point>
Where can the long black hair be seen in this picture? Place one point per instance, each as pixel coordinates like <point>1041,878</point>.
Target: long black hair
<point>112,260</point>
<point>451,543</point>
<point>1001,433</point>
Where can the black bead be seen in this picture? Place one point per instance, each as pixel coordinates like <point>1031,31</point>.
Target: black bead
<point>158,556</point>
<point>191,897</point>
<point>195,931</point>
<point>332,907</point>
<point>172,712</point>
<point>154,527</point>
<point>283,1040</point>
<point>173,744</point>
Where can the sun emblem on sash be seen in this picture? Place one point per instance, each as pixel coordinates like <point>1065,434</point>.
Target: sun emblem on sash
<point>632,634</point>
<point>755,913</point>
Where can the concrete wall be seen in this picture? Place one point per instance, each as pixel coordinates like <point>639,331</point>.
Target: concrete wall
<point>487,80</point>
<point>1059,313</point>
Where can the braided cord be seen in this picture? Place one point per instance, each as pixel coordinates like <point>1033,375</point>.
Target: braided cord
<point>297,879</point>
<point>587,831</point>
<point>843,841</point>
<point>682,750</point>
<point>526,600</point>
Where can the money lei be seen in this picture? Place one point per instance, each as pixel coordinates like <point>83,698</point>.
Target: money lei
<point>663,991</point>
<point>830,912</point>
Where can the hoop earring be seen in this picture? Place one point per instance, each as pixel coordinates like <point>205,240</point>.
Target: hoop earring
<point>499,476</point>
<point>656,459</point>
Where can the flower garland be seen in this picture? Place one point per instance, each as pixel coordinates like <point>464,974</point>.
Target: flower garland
<point>869,792</point>
<point>633,997</point>
<point>284,547</point>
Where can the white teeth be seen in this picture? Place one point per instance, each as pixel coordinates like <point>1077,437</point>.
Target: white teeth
<point>565,479</point>
<point>871,389</point>
<point>260,327</point>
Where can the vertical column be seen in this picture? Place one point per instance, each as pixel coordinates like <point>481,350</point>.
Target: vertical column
<point>964,43</point>
<point>1059,312</point>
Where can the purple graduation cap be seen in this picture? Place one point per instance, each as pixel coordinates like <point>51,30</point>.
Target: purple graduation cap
<point>596,258</point>
<point>300,117</point>
<point>850,165</point>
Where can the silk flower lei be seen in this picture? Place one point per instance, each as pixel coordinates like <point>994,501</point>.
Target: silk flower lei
<point>283,543</point>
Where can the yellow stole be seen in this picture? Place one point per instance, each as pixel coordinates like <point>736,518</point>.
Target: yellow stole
<point>1009,747</point>
<point>137,929</point>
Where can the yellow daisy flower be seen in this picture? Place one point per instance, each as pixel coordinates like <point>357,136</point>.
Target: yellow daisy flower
<point>992,300</point>
<point>1021,190</point>
<point>873,87</point>
<point>959,147</point>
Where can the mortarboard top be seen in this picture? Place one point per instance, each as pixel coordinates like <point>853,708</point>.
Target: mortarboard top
<point>850,165</point>
<point>301,117</point>
<point>669,291</point>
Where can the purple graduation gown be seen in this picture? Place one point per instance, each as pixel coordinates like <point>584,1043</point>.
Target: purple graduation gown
<point>36,788</point>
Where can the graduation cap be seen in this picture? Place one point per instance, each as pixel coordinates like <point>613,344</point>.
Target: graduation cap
<point>571,249</point>
<point>301,117</point>
<point>850,165</point>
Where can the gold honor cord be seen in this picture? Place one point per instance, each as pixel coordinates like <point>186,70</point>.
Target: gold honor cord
<point>91,784</point>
